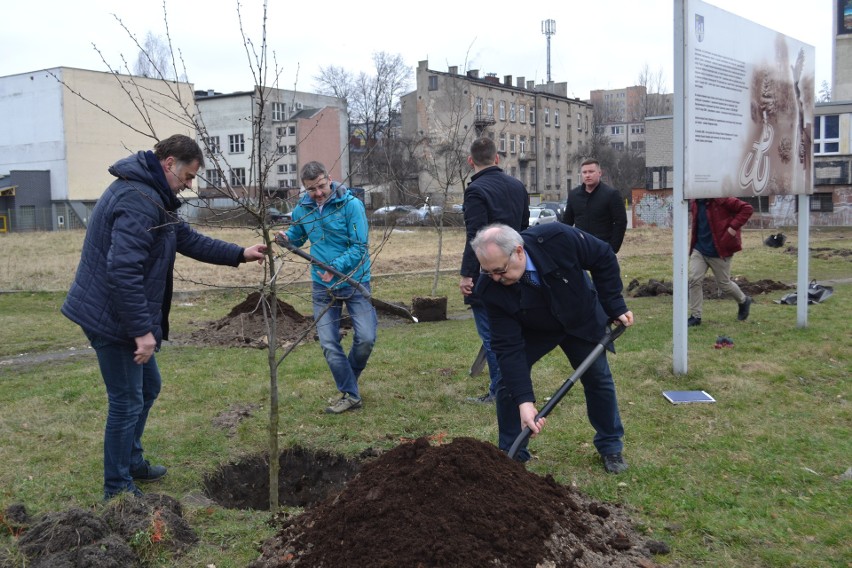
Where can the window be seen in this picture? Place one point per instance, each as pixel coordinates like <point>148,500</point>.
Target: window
<point>279,111</point>
<point>533,177</point>
<point>477,106</point>
<point>238,177</point>
<point>513,143</point>
<point>213,178</point>
<point>502,110</point>
<point>760,204</point>
<point>532,114</point>
<point>489,107</point>
<point>821,203</point>
<point>282,168</point>
<point>502,146</point>
<point>616,130</point>
<point>512,111</point>
<point>283,184</point>
<point>281,131</point>
<point>514,172</point>
<point>637,129</point>
<point>292,168</point>
<point>558,144</point>
<point>532,144</point>
<point>236,143</point>
<point>522,113</point>
<point>619,146</point>
<point>291,131</point>
<point>291,149</point>
<point>547,146</point>
<point>579,122</point>
<point>826,134</point>
<point>639,146</point>
<point>546,116</point>
<point>556,117</point>
<point>282,149</point>
<point>522,145</point>
<point>433,82</point>
<point>213,145</point>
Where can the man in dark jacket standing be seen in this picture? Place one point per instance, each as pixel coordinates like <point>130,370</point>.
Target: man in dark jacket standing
<point>122,291</point>
<point>538,297</point>
<point>596,207</point>
<point>716,225</point>
<point>491,197</point>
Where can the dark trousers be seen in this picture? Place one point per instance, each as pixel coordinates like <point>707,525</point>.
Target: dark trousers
<point>131,392</point>
<point>598,386</point>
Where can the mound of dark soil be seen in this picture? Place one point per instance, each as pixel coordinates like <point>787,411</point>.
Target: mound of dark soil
<point>461,504</point>
<point>246,326</point>
<point>77,538</point>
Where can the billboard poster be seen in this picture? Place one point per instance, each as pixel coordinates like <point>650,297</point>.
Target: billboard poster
<point>748,108</point>
<point>844,17</point>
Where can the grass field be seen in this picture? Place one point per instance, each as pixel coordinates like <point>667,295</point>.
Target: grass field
<point>755,480</point>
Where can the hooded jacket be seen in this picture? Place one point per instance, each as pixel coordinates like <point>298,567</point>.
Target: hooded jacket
<point>338,233</point>
<point>123,286</point>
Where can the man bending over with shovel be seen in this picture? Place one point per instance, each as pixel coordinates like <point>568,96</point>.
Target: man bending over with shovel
<point>538,296</point>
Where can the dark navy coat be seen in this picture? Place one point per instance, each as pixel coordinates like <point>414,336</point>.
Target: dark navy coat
<point>122,289</point>
<point>565,305</point>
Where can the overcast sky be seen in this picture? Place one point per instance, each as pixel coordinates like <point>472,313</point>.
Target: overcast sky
<point>602,44</point>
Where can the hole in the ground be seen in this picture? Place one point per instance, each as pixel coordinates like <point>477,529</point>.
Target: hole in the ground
<point>304,478</point>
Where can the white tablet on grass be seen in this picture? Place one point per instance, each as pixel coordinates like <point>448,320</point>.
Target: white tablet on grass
<point>684,397</point>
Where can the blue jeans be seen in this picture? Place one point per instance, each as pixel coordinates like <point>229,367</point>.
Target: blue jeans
<point>345,369</point>
<point>598,386</point>
<point>483,328</point>
<point>131,391</point>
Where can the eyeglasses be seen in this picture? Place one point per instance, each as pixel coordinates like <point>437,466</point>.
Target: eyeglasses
<point>320,186</point>
<point>499,272</point>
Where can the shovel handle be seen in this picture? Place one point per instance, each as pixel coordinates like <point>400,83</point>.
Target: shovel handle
<point>285,243</point>
<point>610,336</point>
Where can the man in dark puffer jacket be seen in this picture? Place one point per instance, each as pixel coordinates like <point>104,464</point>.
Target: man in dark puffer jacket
<point>122,291</point>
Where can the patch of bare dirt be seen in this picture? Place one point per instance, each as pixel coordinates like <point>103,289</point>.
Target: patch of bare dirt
<point>825,253</point>
<point>460,504</point>
<point>664,288</point>
<point>76,538</point>
<point>231,418</point>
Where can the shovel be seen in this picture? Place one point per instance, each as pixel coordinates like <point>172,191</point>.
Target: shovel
<point>609,336</point>
<point>392,308</point>
<point>478,362</point>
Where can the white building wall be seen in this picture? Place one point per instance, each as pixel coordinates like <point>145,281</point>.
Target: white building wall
<point>77,132</point>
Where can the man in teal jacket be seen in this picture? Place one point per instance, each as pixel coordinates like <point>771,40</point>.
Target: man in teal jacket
<point>335,223</point>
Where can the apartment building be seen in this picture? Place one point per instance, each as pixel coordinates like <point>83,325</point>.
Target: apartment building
<point>297,127</point>
<point>537,128</point>
<point>62,129</point>
<point>620,114</point>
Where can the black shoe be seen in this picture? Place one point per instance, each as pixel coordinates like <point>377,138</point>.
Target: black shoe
<point>614,463</point>
<point>745,307</point>
<point>487,398</point>
<point>147,472</point>
<point>693,321</point>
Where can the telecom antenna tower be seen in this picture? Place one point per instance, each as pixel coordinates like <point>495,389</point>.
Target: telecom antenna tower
<point>548,28</point>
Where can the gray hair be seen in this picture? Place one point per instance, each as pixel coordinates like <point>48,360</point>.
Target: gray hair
<point>313,170</point>
<point>504,237</point>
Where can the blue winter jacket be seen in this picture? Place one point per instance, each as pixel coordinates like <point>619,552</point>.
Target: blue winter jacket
<point>338,234</point>
<point>122,289</point>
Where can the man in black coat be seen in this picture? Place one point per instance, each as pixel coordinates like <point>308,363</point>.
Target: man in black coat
<point>538,297</point>
<point>491,197</point>
<point>596,207</point>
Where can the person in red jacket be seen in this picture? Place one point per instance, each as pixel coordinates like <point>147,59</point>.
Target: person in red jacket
<point>716,225</point>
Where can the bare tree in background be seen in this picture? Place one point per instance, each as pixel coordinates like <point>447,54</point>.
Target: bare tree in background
<point>155,60</point>
<point>655,101</point>
<point>373,104</point>
<point>824,95</point>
